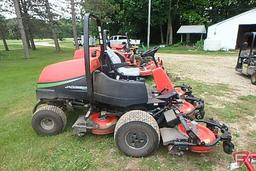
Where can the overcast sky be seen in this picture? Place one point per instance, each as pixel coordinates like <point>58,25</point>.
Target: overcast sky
<point>60,7</point>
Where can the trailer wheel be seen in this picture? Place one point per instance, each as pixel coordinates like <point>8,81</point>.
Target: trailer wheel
<point>49,120</point>
<point>137,134</point>
<point>253,78</point>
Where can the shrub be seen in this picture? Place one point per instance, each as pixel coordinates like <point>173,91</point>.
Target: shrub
<point>199,45</point>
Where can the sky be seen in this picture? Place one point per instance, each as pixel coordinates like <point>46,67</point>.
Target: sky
<point>60,7</point>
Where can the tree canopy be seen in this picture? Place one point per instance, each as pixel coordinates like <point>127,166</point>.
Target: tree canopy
<point>120,17</point>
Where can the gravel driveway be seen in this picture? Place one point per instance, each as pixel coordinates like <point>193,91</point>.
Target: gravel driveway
<point>209,69</point>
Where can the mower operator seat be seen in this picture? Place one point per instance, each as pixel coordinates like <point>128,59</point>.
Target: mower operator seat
<point>123,70</point>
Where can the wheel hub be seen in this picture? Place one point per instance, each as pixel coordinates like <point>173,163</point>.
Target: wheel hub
<point>136,139</point>
<point>47,123</point>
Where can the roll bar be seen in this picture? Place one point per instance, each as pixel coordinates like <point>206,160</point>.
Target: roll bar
<point>88,75</point>
<point>105,38</point>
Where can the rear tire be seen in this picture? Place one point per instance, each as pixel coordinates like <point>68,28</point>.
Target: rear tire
<point>49,120</point>
<point>137,134</point>
<point>253,78</point>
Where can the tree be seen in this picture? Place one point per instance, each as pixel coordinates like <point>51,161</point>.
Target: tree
<point>25,6</point>
<point>52,25</point>
<point>3,32</point>
<point>21,28</point>
<point>159,16</point>
<point>172,11</point>
<point>106,10</point>
<point>73,13</point>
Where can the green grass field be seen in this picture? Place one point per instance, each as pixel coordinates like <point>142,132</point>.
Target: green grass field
<point>193,50</point>
<point>22,149</point>
<point>176,49</point>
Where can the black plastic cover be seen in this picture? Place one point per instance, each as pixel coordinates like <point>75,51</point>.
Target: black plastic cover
<point>120,93</point>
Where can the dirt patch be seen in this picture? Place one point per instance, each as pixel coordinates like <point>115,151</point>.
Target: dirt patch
<point>216,70</point>
<point>243,129</point>
<point>133,164</point>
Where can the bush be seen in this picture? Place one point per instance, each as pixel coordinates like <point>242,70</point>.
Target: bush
<point>179,44</point>
<point>199,45</point>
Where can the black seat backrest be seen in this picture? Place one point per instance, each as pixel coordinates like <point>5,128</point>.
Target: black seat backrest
<point>110,64</point>
<point>120,93</point>
<point>113,56</point>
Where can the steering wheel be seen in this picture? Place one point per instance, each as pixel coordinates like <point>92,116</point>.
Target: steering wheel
<point>151,52</point>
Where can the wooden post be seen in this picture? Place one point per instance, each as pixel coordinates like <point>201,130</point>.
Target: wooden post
<point>181,38</point>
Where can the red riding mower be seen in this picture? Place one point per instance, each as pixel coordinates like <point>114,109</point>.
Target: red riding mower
<point>121,55</point>
<point>134,56</point>
<point>138,116</point>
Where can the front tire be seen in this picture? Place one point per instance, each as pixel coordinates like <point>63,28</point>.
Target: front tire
<point>137,134</point>
<point>253,78</point>
<point>49,120</point>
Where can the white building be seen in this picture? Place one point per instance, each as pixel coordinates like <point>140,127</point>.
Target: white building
<point>228,34</point>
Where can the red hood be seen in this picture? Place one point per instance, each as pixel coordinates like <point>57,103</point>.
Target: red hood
<point>62,71</point>
<point>67,70</point>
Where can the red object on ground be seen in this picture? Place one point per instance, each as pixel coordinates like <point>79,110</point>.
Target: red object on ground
<point>245,157</point>
<point>204,134</point>
<point>106,124</point>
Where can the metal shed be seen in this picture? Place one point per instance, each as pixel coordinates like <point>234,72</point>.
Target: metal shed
<point>191,29</point>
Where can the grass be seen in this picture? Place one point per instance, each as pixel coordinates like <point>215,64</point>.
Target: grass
<point>16,44</point>
<point>193,50</point>
<point>22,149</point>
<point>175,49</point>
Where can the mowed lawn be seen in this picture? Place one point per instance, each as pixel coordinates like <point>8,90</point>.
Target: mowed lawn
<point>22,149</point>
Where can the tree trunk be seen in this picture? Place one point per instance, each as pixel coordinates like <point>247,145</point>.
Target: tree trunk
<point>161,34</point>
<point>2,35</point>
<point>21,28</point>
<point>169,34</point>
<point>5,44</point>
<point>32,42</point>
<point>28,26</point>
<point>52,26</point>
<point>26,34</point>
<point>74,24</point>
<point>23,11</point>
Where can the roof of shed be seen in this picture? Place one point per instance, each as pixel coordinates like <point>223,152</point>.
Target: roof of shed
<point>192,29</point>
<point>236,16</point>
